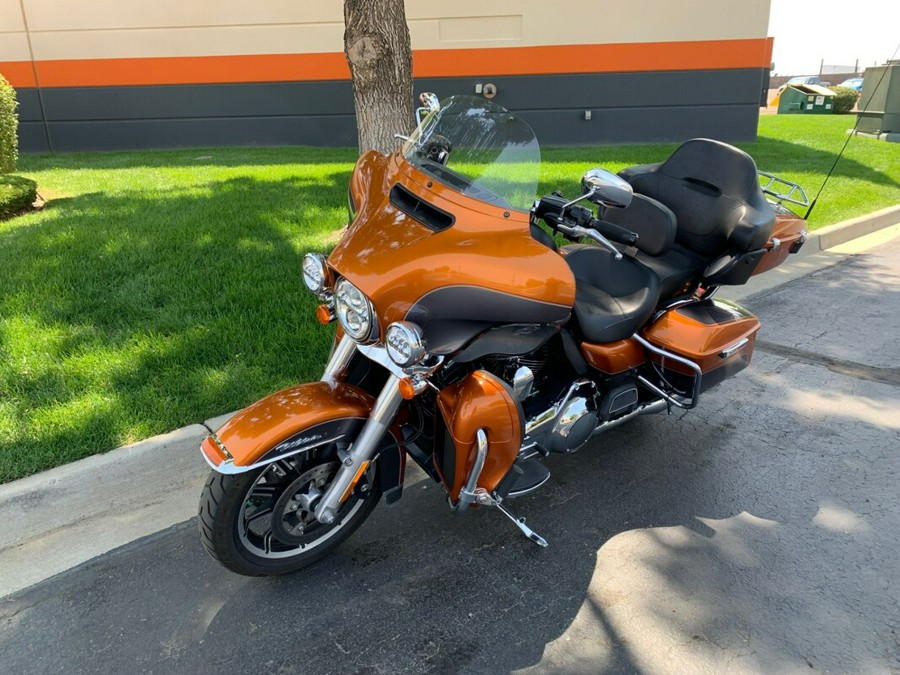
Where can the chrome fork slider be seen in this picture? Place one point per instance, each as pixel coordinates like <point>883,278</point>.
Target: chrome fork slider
<point>361,451</point>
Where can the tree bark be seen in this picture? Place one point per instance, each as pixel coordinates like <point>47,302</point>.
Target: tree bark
<point>376,44</point>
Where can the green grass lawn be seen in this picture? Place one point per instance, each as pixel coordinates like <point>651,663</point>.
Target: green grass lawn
<point>160,288</point>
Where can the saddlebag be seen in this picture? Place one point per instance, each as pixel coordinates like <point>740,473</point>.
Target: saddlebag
<point>716,335</point>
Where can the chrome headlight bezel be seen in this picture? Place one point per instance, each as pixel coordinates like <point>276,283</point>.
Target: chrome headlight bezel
<point>404,343</point>
<point>354,312</point>
<point>315,273</point>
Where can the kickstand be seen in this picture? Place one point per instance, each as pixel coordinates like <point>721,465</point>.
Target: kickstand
<point>520,523</point>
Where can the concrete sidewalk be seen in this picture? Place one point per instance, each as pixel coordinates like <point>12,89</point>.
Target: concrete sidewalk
<point>61,518</point>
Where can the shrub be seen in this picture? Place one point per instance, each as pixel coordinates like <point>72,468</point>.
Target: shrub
<point>17,193</point>
<point>844,100</point>
<point>9,127</point>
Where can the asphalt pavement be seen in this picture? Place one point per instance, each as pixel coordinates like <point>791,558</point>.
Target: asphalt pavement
<point>758,533</point>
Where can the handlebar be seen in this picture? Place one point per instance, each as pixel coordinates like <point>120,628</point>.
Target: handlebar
<point>578,221</point>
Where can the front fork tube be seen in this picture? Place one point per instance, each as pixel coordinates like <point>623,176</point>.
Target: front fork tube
<point>340,359</point>
<point>355,461</point>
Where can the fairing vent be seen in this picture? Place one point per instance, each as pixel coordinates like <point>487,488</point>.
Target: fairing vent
<point>430,216</point>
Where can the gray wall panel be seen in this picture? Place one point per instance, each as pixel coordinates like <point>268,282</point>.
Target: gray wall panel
<point>202,100</point>
<point>644,125</point>
<point>714,87</point>
<point>611,90</point>
<point>32,137</point>
<point>29,105</point>
<point>626,108</point>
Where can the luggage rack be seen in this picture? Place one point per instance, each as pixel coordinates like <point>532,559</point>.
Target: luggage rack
<point>782,190</point>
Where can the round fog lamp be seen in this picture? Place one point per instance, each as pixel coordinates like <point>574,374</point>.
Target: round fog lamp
<point>404,343</point>
<point>315,274</point>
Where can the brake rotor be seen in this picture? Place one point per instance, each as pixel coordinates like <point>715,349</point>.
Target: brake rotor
<point>293,516</point>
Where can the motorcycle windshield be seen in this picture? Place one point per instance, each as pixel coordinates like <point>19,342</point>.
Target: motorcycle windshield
<point>480,149</point>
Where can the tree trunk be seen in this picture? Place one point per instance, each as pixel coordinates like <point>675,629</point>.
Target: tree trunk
<point>376,44</point>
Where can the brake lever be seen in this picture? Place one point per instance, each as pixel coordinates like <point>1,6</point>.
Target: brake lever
<point>590,233</point>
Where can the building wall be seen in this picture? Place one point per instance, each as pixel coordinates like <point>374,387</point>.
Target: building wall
<point>110,74</point>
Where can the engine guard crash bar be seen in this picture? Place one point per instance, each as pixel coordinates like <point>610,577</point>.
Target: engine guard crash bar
<point>674,400</point>
<point>467,495</point>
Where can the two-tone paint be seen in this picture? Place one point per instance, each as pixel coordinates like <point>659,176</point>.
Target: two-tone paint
<point>485,270</point>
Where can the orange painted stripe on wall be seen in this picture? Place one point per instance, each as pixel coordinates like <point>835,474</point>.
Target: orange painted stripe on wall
<point>498,61</point>
<point>193,70</point>
<point>18,73</point>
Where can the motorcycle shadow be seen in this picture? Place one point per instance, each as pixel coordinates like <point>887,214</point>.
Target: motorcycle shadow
<point>419,590</point>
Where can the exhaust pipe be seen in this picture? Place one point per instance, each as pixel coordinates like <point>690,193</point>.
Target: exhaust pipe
<point>648,409</point>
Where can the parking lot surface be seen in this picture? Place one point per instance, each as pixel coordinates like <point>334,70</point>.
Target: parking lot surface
<point>758,533</point>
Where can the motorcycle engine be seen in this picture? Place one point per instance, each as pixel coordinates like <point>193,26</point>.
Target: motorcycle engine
<point>568,423</point>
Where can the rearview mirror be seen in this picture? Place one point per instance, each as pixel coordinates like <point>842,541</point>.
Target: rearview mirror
<point>430,103</point>
<point>606,189</point>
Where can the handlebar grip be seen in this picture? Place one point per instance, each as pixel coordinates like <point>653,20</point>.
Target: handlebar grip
<point>615,233</point>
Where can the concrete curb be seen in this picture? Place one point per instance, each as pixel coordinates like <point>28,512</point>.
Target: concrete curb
<point>840,233</point>
<point>55,520</point>
<point>63,517</point>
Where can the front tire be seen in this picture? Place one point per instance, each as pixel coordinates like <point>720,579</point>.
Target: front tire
<point>262,522</point>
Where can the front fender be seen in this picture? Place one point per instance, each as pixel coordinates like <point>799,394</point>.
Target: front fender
<point>296,420</point>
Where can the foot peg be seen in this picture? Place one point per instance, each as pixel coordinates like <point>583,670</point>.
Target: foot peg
<point>520,523</point>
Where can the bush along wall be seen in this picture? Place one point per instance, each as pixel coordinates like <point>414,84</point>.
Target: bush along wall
<point>17,193</point>
<point>844,100</point>
<point>9,127</point>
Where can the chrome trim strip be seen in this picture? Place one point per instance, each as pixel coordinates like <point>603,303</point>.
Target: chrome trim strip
<point>229,468</point>
<point>728,351</point>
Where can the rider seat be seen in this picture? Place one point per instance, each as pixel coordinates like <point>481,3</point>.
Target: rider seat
<point>613,298</point>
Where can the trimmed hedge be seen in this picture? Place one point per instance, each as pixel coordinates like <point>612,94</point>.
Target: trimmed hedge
<point>844,100</point>
<point>9,127</point>
<point>17,193</point>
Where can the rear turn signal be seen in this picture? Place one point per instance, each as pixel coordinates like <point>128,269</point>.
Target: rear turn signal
<point>324,314</point>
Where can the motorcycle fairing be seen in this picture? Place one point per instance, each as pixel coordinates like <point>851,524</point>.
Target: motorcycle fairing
<point>411,272</point>
<point>480,401</point>
<point>296,420</point>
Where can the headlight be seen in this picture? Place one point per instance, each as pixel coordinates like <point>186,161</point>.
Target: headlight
<point>354,311</point>
<point>404,343</point>
<point>315,274</point>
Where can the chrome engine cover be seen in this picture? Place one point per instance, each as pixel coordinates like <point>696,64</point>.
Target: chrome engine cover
<point>568,424</point>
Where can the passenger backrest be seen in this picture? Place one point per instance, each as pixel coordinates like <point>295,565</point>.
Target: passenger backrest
<point>713,189</point>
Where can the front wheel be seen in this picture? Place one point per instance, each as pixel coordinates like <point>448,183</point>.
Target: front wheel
<point>262,522</point>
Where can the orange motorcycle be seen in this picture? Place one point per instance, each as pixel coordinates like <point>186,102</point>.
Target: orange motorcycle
<point>473,339</point>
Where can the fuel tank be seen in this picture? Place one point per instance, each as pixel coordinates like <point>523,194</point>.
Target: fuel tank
<point>453,264</point>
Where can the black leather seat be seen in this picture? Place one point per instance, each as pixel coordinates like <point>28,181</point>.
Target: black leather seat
<point>723,217</point>
<point>675,269</point>
<point>613,298</point>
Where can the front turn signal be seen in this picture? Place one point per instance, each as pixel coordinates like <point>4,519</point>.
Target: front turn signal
<point>407,388</point>
<point>324,314</point>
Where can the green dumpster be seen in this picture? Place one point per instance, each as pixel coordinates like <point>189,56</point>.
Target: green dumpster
<point>805,99</point>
